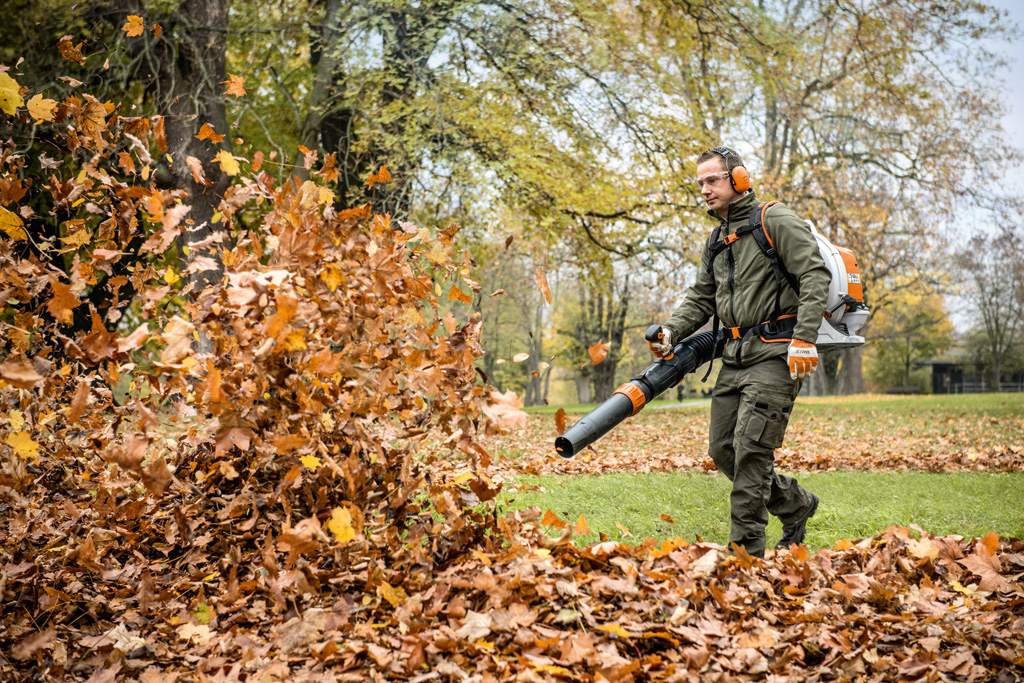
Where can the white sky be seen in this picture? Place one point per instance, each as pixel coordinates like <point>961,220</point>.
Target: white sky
<point>1013,86</point>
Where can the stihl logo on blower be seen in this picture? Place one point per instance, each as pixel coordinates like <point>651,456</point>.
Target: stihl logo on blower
<point>845,314</point>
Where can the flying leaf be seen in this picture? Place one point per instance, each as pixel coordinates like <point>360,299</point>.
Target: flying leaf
<point>23,445</point>
<point>63,301</point>
<point>616,629</point>
<point>542,284</point>
<point>340,524</point>
<point>70,51</point>
<point>667,518</point>
<point>206,132</point>
<point>125,162</point>
<point>228,163</point>
<point>41,109</point>
<point>520,357</point>
<point>310,462</point>
<point>457,294</point>
<point>598,352</point>
<point>560,421</point>
<point>381,176</point>
<point>11,223</point>
<point>196,167</point>
<point>20,374</point>
<point>581,527</point>
<point>134,26</point>
<point>10,99</point>
<point>236,85</point>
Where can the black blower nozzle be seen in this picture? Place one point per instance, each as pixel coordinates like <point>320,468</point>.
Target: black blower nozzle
<point>631,397</point>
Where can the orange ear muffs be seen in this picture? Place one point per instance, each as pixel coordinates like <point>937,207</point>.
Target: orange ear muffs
<point>740,179</point>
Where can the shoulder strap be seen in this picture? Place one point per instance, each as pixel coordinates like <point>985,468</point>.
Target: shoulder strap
<point>760,233</point>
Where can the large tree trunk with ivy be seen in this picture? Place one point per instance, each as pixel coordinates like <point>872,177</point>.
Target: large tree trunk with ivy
<point>184,69</point>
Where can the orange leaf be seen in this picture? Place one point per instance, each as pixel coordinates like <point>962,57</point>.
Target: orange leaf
<point>598,352</point>
<point>236,85</point>
<point>551,519</point>
<point>988,546</point>
<point>124,160</point>
<point>63,301</point>
<point>581,527</point>
<point>542,284</point>
<point>381,176</point>
<point>623,529</point>
<point>69,51</point>
<point>206,132</point>
<point>457,294</point>
<point>560,421</point>
<point>157,30</point>
<point>160,133</point>
<point>667,518</point>
<point>134,26</point>
<point>257,161</point>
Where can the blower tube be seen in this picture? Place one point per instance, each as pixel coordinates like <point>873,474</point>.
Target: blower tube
<point>630,398</point>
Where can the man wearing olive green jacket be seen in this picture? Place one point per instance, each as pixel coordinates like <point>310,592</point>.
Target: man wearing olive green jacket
<point>769,315</point>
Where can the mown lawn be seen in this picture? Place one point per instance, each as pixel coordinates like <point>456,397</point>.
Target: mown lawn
<point>855,504</point>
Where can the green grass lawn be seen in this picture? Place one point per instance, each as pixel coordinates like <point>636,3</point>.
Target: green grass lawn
<point>853,504</point>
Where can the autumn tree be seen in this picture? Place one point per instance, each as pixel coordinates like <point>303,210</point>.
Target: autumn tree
<point>915,327</point>
<point>993,272</point>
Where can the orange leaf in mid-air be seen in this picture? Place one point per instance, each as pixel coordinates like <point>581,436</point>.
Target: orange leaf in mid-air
<point>70,51</point>
<point>381,176</point>
<point>257,161</point>
<point>667,518</point>
<point>581,527</point>
<point>456,294</point>
<point>236,85</point>
<point>134,26</point>
<point>560,421</point>
<point>206,132</point>
<point>598,352</point>
<point>542,284</point>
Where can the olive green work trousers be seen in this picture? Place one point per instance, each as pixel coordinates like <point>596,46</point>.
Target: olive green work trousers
<point>750,410</point>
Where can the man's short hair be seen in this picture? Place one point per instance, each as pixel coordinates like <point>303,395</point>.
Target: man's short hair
<point>731,158</point>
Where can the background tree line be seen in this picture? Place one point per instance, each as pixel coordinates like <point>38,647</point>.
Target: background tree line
<point>571,126</point>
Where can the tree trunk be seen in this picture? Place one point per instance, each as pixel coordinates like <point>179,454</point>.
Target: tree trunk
<point>185,73</point>
<point>851,372</point>
<point>584,388</point>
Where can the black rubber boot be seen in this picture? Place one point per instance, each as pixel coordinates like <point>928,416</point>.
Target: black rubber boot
<point>795,532</point>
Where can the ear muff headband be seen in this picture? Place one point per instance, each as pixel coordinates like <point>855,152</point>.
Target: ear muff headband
<point>738,176</point>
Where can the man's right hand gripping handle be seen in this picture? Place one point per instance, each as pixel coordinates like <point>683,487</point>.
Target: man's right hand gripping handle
<point>659,340</point>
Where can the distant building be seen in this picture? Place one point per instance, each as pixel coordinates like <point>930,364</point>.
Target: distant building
<point>956,373</point>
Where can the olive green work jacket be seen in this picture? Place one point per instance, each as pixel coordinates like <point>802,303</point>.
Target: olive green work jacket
<point>748,296</point>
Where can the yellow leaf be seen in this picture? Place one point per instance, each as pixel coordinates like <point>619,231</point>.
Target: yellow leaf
<point>10,100</point>
<point>462,478</point>
<point>295,340</point>
<point>23,445</point>
<point>331,275</point>
<point>396,596</point>
<point>40,109</point>
<point>134,26</point>
<point>228,164</point>
<point>340,524</point>
<point>616,629</point>
<point>77,239</point>
<point>310,461</point>
<point>11,223</point>
<point>324,196</point>
<point>217,216</point>
<point>960,588</point>
<point>170,277</point>
<point>17,419</point>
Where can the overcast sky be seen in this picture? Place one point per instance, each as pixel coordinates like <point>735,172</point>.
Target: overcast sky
<point>1013,85</point>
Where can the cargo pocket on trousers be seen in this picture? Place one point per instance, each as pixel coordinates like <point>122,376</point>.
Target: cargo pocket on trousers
<point>769,419</point>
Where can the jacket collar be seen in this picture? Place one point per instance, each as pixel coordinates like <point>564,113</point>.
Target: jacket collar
<point>740,209</point>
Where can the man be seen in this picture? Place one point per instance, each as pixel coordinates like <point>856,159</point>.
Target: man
<point>769,313</point>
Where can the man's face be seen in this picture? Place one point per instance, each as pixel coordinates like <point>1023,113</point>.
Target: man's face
<point>717,190</point>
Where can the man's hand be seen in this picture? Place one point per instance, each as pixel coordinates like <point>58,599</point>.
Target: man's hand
<point>803,358</point>
<point>663,346</point>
